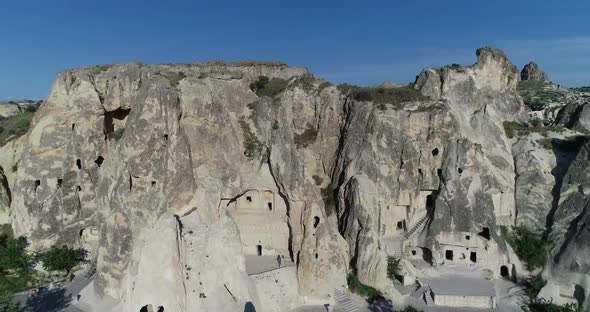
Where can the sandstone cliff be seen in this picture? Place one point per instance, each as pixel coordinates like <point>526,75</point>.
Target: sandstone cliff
<point>182,180</point>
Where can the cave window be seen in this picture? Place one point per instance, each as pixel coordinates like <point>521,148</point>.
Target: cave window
<point>259,249</point>
<point>165,137</point>
<point>118,114</point>
<point>435,152</point>
<point>79,164</point>
<point>504,272</point>
<point>400,225</point>
<point>316,255</point>
<point>249,199</point>
<point>419,171</point>
<point>59,182</point>
<point>160,309</point>
<point>485,233</point>
<point>153,183</point>
<point>439,173</point>
<point>467,237</point>
<point>413,252</point>
<point>473,257</point>
<point>449,255</point>
<point>459,170</point>
<point>579,294</point>
<point>37,184</point>
<point>81,232</point>
<point>73,126</point>
<point>316,221</point>
<point>79,188</point>
<point>269,206</point>
<point>99,161</point>
<point>429,201</point>
<point>146,308</point>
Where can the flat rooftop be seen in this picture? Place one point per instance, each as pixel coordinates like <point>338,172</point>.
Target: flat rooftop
<point>461,286</point>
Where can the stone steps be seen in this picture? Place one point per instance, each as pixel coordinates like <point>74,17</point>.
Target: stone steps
<point>343,300</point>
<point>414,229</point>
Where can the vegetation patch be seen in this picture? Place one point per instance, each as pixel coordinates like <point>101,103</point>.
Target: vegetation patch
<point>15,126</point>
<point>329,199</point>
<point>583,89</point>
<point>98,69</point>
<point>116,135</point>
<point>307,137</point>
<point>355,285</point>
<point>409,309</point>
<point>543,305</point>
<point>537,94</point>
<point>252,146</point>
<point>530,246</point>
<point>174,78</point>
<point>384,95</point>
<point>268,87</point>
<point>393,269</point>
<point>513,128</point>
<point>62,258</point>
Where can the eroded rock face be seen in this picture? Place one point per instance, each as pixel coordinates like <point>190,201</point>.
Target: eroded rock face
<point>185,169</point>
<point>532,72</point>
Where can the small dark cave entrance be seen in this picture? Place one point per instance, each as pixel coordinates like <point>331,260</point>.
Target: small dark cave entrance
<point>504,272</point>
<point>259,249</point>
<point>579,294</point>
<point>435,152</point>
<point>99,161</point>
<point>316,221</point>
<point>485,233</point>
<point>426,255</point>
<point>473,257</point>
<point>109,117</point>
<point>449,255</point>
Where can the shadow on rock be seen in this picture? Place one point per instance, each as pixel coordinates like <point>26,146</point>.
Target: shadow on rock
<point>249,307</point>
<point>49,300</point>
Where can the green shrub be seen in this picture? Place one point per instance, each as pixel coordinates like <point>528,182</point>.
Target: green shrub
<point>31,108</point>
<point>99,69</point>
<point>530,246</point>
<point>513,128</point>
<point>384,95</point>
<point>174,78</point>
<point>62,259</point>
<point>15,264</point>
<point>116,135</point>
<point>8,305</point>
<point>265,87</point>
<point>252,146</point>
<point>543,305</point>
<point>355,285</point>
<point>583,89</point>
<point>533,285</point>
<point>308,136</point>
<point>393,269</point>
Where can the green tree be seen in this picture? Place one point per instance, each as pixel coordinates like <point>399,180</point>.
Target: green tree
<point>7,305</point>
<point>530,246</point>
<point>62,259</point>
<point>543,305</point>
<point>13,255</point>
<point>393,269</point>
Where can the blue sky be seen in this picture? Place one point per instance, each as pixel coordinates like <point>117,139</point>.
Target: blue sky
<point>361,42</point>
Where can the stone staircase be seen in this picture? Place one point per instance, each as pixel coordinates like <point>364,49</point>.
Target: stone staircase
<point>395,247</point>
<point>423,293</point>
<point>343,300</point>
<point>414,229</point>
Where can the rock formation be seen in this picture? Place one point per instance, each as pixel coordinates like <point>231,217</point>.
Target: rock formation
<point>182,180</point>
<point>532,72</point>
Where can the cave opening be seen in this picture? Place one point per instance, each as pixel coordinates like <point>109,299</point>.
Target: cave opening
<point>485,233</point>
<point>99,161</point>
<point>504,272</point>
<point>269,206</point>
<point>59,182</point>
<point>400,225</point>
<point>153,183</point>
<point>249,199</point>
<point>449,255</point>
<point>114,120</point>
<point>435,152</point>
<point>165,137</point>
<point>459,170</point>
<point>429,202</point>
<point>579,294</point>
<point>473,257</point>
<point>79,164</point>
<point>259,249</point>
<point>316,221</point>
<point>37,184</point>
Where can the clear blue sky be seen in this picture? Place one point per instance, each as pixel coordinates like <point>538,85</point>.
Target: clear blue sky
<point>362,42</point>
